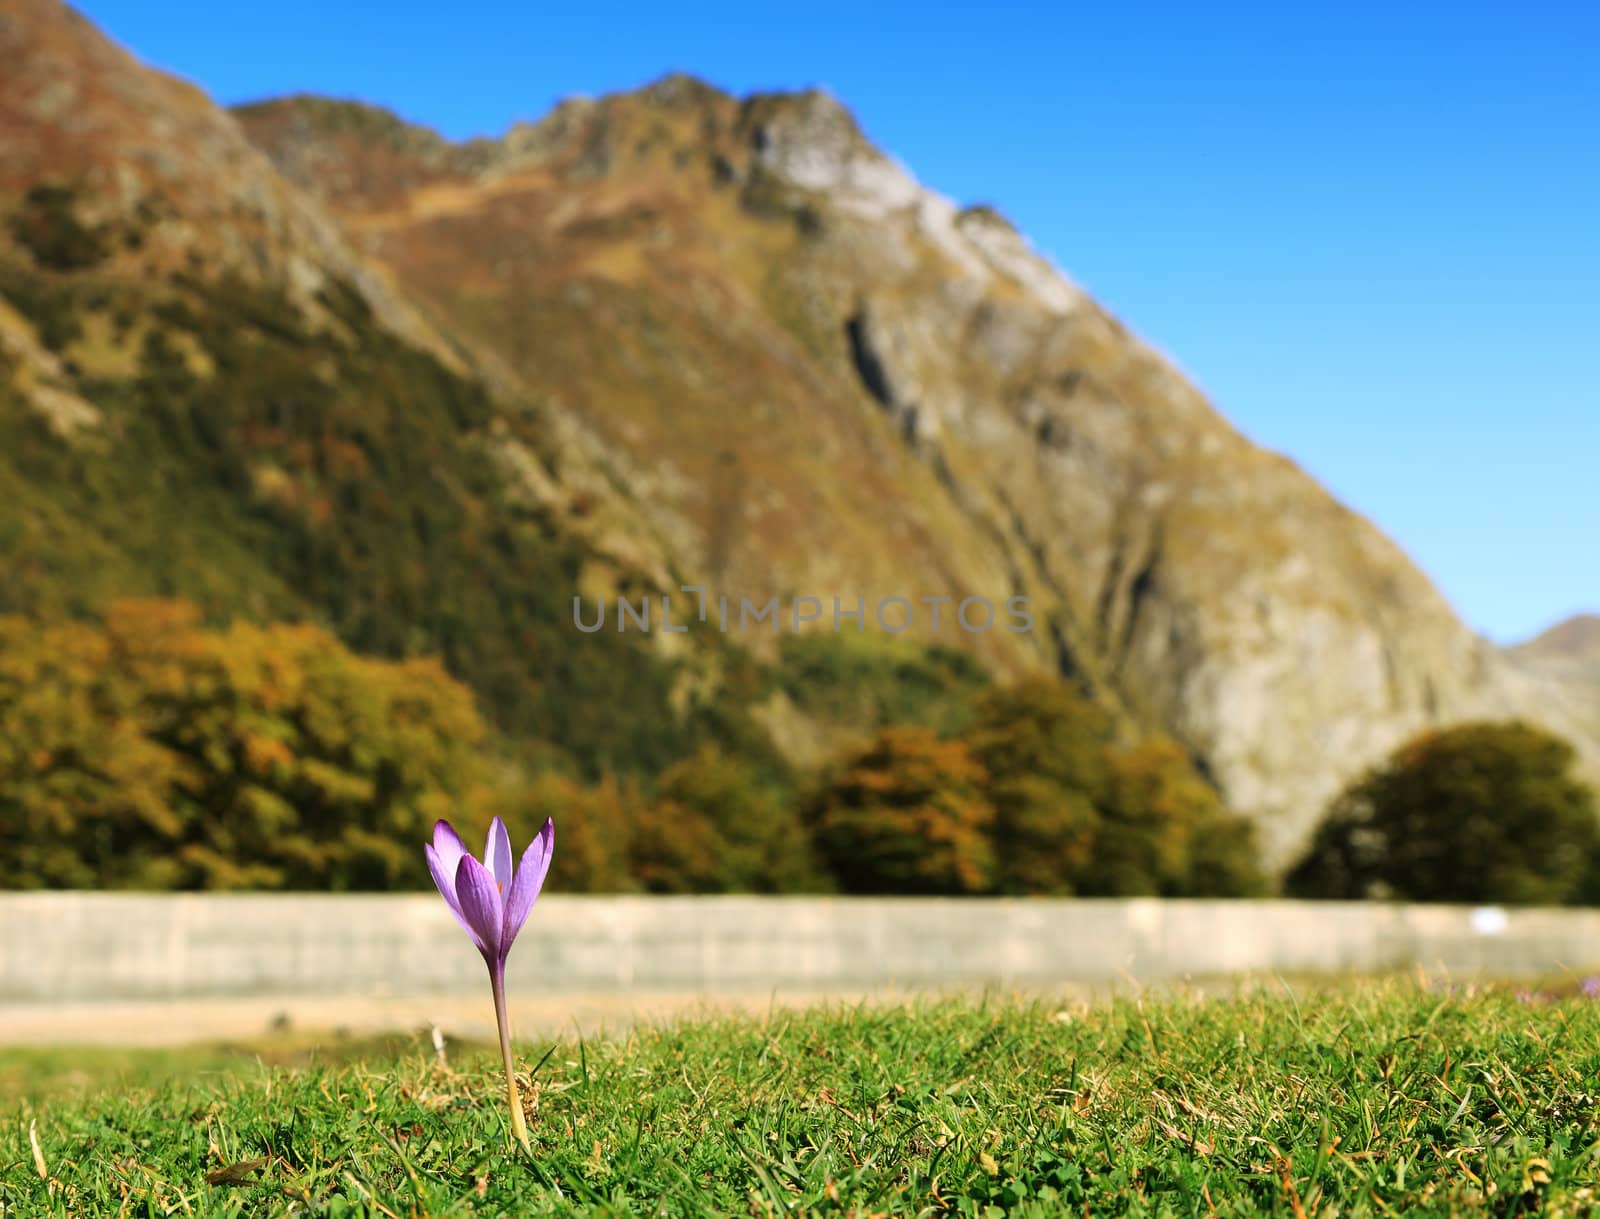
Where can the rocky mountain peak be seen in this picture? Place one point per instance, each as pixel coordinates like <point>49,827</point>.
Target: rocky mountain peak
<point>811,141</point>
<point>684,91</point>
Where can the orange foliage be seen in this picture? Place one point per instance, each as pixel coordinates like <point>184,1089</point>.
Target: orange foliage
<point>907,815</point>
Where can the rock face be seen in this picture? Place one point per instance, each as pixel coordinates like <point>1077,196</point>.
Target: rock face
<point>766,360</point>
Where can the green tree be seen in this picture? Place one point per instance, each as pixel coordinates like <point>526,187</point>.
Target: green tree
<point>1043,751</point>
<point>47,225</point>
<point>862,681</point>
<point>907,814</point>
<point>1482,812</point>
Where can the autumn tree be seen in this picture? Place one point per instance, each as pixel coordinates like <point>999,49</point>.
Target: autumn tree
<point>1482,812</point>
<point>594,827</point>
<point>1166,832</point>
<point>148,752</point>
<point>85,793</point>
<point>674,850</point>
<point>718,824</point>
<point>1077,811</point>
<point>907,814</point>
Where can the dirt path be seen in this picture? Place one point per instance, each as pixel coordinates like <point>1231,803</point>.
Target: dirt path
<point>463,1016</point>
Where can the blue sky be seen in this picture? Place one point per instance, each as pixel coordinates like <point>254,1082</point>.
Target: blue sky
<point>1372,235</point>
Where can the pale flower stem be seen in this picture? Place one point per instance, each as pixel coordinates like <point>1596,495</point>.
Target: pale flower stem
<point>518,1126</point>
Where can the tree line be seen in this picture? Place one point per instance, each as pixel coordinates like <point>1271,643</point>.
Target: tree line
<point>150,751</point>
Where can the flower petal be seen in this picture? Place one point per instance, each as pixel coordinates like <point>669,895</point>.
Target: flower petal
<point>480,905</point>
<point>529,880</point>
<point>450,848</point>
<point>443,857</point>
<point>445,878</point>
<point>497,855</point>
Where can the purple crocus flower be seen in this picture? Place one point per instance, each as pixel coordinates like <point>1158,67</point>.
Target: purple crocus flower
<point>491,900</point>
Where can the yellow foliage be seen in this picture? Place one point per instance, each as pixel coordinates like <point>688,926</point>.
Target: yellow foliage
<point>149,752</point>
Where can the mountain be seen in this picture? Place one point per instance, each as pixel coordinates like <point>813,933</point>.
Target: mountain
<point>207,392</point>
<point>1566,658</point>
<point>1573,642</point>
<point>908,398</point>
<point>308,359</point>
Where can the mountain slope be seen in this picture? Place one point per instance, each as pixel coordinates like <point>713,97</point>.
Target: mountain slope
<point>1572,642</point>
<point>1566,659</point>
<point>206,392</point>
<point>832,380</point>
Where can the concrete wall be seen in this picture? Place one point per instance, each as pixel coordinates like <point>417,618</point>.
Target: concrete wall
<point>74,947</point>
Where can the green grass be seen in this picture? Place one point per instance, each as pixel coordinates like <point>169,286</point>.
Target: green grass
<point>1373,1099</point>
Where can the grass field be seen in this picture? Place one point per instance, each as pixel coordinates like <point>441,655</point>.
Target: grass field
<point>1384,1099</point>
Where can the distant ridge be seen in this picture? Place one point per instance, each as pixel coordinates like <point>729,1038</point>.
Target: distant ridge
<point>1574,639</point>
